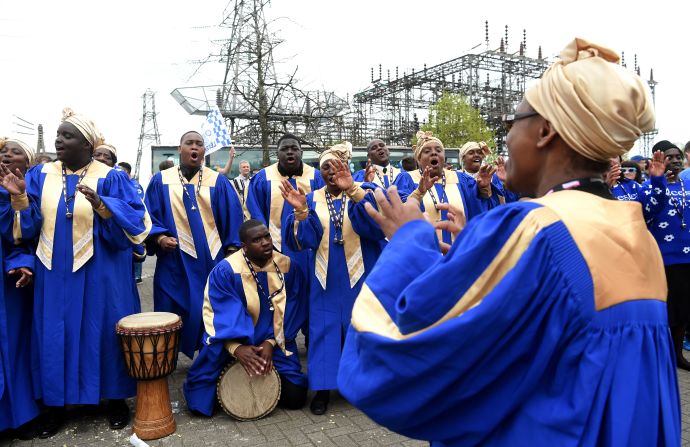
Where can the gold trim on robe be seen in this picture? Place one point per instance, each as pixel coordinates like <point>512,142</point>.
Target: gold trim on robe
<point>369,315</point>
<point>612,251</point>
<point>351,242</point>
<point>185,239</point>
<point>275,214</point>
<point>452,194</point>
<point>396,172</point>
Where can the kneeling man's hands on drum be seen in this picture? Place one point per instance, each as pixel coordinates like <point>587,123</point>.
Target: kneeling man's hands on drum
<point>267,355</point>
<point>252,358</point>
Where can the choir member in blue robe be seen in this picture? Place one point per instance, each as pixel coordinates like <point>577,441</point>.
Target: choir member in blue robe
<point>256,324</point>
<point>196,219</point>
<point>670,226</point>
<point>17,404</point>
<point>85,217</point>
<point>541,326</point>
<point>435,185</point>
<point>265,201</point>
<point>381,172</point>
<point>344,244</point>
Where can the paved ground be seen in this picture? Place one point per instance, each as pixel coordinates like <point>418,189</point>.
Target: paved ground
<point>343,425</point>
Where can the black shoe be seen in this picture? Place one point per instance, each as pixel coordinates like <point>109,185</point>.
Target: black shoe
<point>28,431</point>
<point>118,414</point>
<point>319,404</point>
<point>51,422</point>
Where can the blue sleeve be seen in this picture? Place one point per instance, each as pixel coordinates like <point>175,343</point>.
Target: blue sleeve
<point>225,313</point>
<point>309,231</point>
<point>154,200</point>
<point>413,353</point>
<point>18,256</point>
<point>30,219</point>
<point>362,223</point>
<point>652,196</point>
<point>128,211</point>
<point>318,182</point>
<point>256,197</point>
<point>227,211</point>
<point>358,176</point>
<point>405,185</point>
<point>474,203</point>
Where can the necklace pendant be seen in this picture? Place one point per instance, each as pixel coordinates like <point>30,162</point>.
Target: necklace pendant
<point>193,208</point>
<point>683,225</point>
<point>338,241</point>
<point>68,215</point>
<point>271,308</point>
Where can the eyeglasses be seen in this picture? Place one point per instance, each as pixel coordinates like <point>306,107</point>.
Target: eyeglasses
<point>508,120</point>
<point>629,170</point>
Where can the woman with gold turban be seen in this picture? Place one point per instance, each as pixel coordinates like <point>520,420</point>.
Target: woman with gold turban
<point>84,217</point>
<point>546,323</point>
<point>344,244</point>
<point>17,404</point>
<point>437,185</point>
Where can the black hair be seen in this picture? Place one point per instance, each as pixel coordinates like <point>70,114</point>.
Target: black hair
<point>126,166</point>
<point>248,225</point>
<point>632,164</point>
<point>188,132</point>
<point>409,164</point>
<point>371,141</point>
<point>165,164</point>
<point>289,136</point>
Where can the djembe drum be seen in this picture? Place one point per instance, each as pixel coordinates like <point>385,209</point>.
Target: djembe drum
<point>150,343</point>
<point>247,398</point>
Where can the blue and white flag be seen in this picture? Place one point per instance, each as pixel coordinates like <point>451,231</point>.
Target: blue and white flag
<point>215,132</point>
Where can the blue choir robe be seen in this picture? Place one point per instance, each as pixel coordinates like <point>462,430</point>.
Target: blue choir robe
<point>651,194</point>
<point>505,195</point>
<point>393,176</point>
<point>540,327</point>
<point>461,191</point>
<point>203,234</point>
<point>337,274</point>
<point>17,404</point>
<point>82,281</point>
<point>236,313</point>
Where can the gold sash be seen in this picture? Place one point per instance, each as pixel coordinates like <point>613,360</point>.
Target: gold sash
<point>82,220</point>
<point>452,194</point>
<point>251,291</point>
<point>185,238</point>
<point>351,242</point>
<point>277,202</point>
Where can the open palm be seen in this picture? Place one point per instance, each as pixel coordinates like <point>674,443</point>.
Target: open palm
<point>342,177</point>
<point>14,183</point>
<point>656,166</point>
<point>295,197</point>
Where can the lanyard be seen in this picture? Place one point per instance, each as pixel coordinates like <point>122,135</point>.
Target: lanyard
<point>258,284</point>
<point>67,200</point>
<point>183,182</point>
<point>337,218</point>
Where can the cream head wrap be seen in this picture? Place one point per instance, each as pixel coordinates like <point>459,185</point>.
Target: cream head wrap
<point>341,151</point>
<point>83,125</point>
<point>109,147</point>
<point>424,138</point>
<point>474,145</point>
<point>30,153</point>
<point>598,107</point>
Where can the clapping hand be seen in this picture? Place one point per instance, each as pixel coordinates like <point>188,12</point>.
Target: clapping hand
<point>369,172</point>
<point>13,182</point>
<point>501,169</point>
<point>656,165</point>
<point>427,181</point>
<point>342,177</point>
<point>295,197</point>
<point>393,212</point>
<point>455,223</point>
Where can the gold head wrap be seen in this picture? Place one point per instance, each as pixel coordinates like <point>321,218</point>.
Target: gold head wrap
<point>598,107</point>
<point>83,125</point>
<point>424,138</point>
<point>474,145</point>
<point>110,147</point>
<point>341,151</point>
<point>28,151</point>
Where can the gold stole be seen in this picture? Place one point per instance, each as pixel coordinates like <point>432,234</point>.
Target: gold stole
<point>185,238</point>
<point>452,194</point>
<point>251,291</point>
<point>351,243</point>
<point>277,202</point>
<point>82,220</point>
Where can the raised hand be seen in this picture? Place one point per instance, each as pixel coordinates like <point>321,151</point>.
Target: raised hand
<point>614,174</point>
<point>656,166</point>
<point>427,182</point>
<point>393,213</point>
<point>485,175</point>
<point>342,177</point>
<point>369,172</point>
<point>455,223</point>
<point>13,182</point>
<point>25,276</point>
<point>501,169</point>
<point>91,195</point>
<point>231,152</point>
<point>295,197</point>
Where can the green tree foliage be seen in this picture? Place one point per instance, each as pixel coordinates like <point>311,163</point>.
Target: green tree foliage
<point>455,122</point>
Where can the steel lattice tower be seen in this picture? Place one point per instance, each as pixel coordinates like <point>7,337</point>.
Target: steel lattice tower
<point>149,127</point>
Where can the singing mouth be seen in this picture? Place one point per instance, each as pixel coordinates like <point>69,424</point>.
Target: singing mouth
<point>291,159</point>
<point>381,153</point>
<point>477,160</point>
<point>434,162</point>
<point>194,156</point>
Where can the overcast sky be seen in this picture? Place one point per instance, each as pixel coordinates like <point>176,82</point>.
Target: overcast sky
<point>99,57</point>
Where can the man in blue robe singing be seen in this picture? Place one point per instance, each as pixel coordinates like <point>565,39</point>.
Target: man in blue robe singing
<point>196,218</point>
<point>545,324</point>
<point>251,313</point>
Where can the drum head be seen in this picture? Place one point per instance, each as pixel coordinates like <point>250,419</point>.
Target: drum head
<point>248,398</point>
<point>148,320</point>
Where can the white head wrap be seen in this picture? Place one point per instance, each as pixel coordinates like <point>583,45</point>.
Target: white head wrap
<point>341,151</point>
<point>474,145</point>
<point>110,147</point>
<point>424,138</point>
<point>83,125</point>
<point>598,107</point>
<point>28,150</point>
